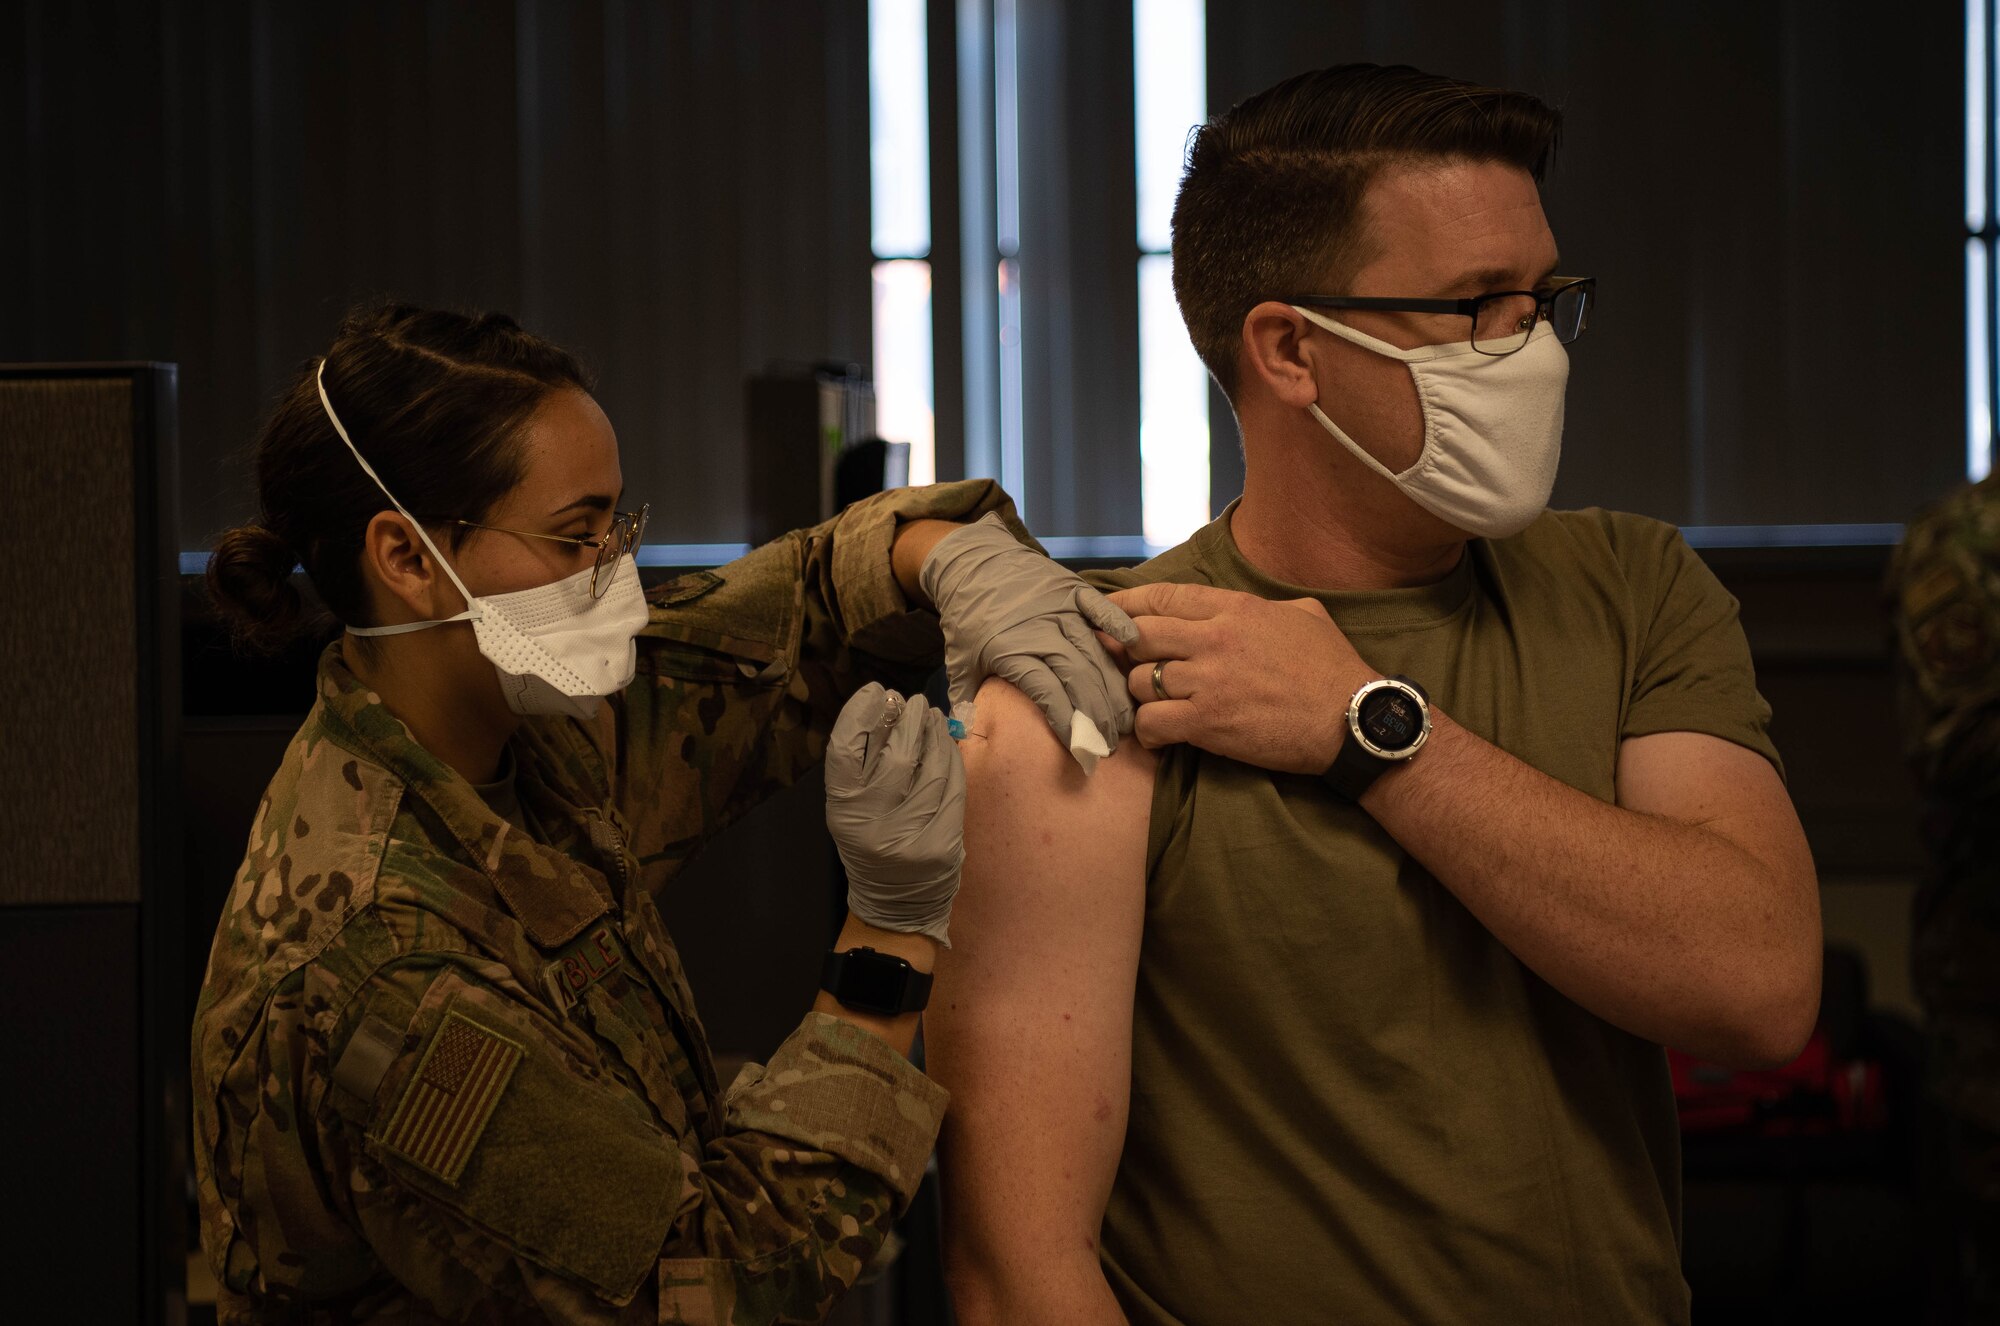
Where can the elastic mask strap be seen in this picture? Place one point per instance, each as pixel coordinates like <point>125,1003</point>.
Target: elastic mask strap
<point>406,627</point>
<point>319,378</point>
<point>1360,452</point>
<point>1365,341</point>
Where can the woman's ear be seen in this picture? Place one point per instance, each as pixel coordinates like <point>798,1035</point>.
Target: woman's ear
<point>1277,354</point>
<point>405,582</point>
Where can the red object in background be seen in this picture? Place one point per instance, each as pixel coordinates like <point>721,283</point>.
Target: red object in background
<point>1814,1094</point>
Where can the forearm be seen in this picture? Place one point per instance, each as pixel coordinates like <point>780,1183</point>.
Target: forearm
<point>742,671</point>
<point>914,541</point>
<point>859,576</point>
<point>1664,928</point>
<point>867,584</point>
<point>832,1132</point>
<point>1069,1289</point>
<point>920,951</point>
<point>753,1251</point>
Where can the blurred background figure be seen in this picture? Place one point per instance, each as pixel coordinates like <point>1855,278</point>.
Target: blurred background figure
<point>1944,599</point>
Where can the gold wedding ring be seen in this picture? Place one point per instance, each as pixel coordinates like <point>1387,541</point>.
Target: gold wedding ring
<point>1160,680</point>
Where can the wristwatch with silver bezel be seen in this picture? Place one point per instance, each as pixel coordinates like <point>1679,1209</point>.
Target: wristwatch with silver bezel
<point>1388,721</point>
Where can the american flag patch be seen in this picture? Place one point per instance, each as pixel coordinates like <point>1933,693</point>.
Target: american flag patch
<point>447,1104</point>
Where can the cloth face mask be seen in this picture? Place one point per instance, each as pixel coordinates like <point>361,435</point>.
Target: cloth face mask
<point>1492,429</point>
<point>556,649</point>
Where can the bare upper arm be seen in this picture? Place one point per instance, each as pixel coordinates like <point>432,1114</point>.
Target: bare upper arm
<point>1030,1022</point>
<point>1733,792</point>
<point>1720,786</point>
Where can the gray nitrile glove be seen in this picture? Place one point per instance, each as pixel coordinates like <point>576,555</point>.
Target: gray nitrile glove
<point>1010,612</point>
<point>895,804</point>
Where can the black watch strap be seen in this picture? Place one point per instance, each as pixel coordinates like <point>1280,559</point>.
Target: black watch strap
<point>1354,770</point>
<point>870,982</point>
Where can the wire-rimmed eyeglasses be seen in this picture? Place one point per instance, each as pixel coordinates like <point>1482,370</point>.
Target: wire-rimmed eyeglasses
<point>1501,321</point>
<point>627,529</point>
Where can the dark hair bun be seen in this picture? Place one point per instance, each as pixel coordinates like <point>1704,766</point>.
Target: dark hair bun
<point>250,583</point>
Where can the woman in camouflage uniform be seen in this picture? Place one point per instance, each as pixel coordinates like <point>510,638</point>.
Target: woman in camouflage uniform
<point>1944,602</point>
<point>446,1064</point>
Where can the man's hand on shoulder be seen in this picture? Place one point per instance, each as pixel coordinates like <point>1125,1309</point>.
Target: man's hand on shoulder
<point>1251,679</point>
<point>1687,913</point>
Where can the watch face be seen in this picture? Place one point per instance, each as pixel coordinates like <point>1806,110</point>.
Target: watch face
<point>1390,718</point>
<point>873,980</point>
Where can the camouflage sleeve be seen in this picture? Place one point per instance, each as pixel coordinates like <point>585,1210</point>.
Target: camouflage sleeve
<point>1943,594</point>
<point>743,669</point>
<point>497,1160</point>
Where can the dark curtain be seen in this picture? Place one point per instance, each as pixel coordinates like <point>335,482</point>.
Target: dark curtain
<point>679,192</point>
<point>1772,196</point>
<point>1079,266</point>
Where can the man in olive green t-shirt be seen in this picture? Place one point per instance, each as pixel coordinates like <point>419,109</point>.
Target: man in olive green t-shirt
<point>1342,998</point>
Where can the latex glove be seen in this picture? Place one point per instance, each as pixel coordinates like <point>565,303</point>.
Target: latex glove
<point>1010,612</point>
<point>895,804</point>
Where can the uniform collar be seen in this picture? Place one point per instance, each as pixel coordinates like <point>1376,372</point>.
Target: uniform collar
<point>552,895</point>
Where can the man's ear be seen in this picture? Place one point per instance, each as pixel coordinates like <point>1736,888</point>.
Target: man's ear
<point>402,572</point>
<point>1277,353</point>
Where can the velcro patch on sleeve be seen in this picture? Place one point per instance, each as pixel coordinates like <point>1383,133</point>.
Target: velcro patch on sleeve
<point>371,1051</point>
<point>447,1103</point>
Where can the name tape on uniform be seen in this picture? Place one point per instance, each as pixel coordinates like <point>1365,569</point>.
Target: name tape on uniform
<point>591,958</point>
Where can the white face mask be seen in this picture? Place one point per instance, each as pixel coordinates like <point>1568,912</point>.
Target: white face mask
<point>557,649</point>
<point>1492,429</point>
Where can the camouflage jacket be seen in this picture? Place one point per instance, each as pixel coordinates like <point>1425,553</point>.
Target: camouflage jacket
<point>1944,599</point>
<point>445,1067</point>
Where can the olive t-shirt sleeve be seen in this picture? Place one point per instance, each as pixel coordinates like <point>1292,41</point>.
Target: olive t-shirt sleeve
<point>1692,670</point>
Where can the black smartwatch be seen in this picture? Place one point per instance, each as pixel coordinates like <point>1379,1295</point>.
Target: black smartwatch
<point>871,982</point>
<point>1388,721</point>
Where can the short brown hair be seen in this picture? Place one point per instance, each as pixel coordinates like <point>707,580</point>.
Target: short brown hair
<point>1270,202</point>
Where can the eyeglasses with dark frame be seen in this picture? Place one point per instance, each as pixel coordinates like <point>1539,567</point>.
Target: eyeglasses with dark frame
<point>1501,321</point>
<point>627,529</point>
